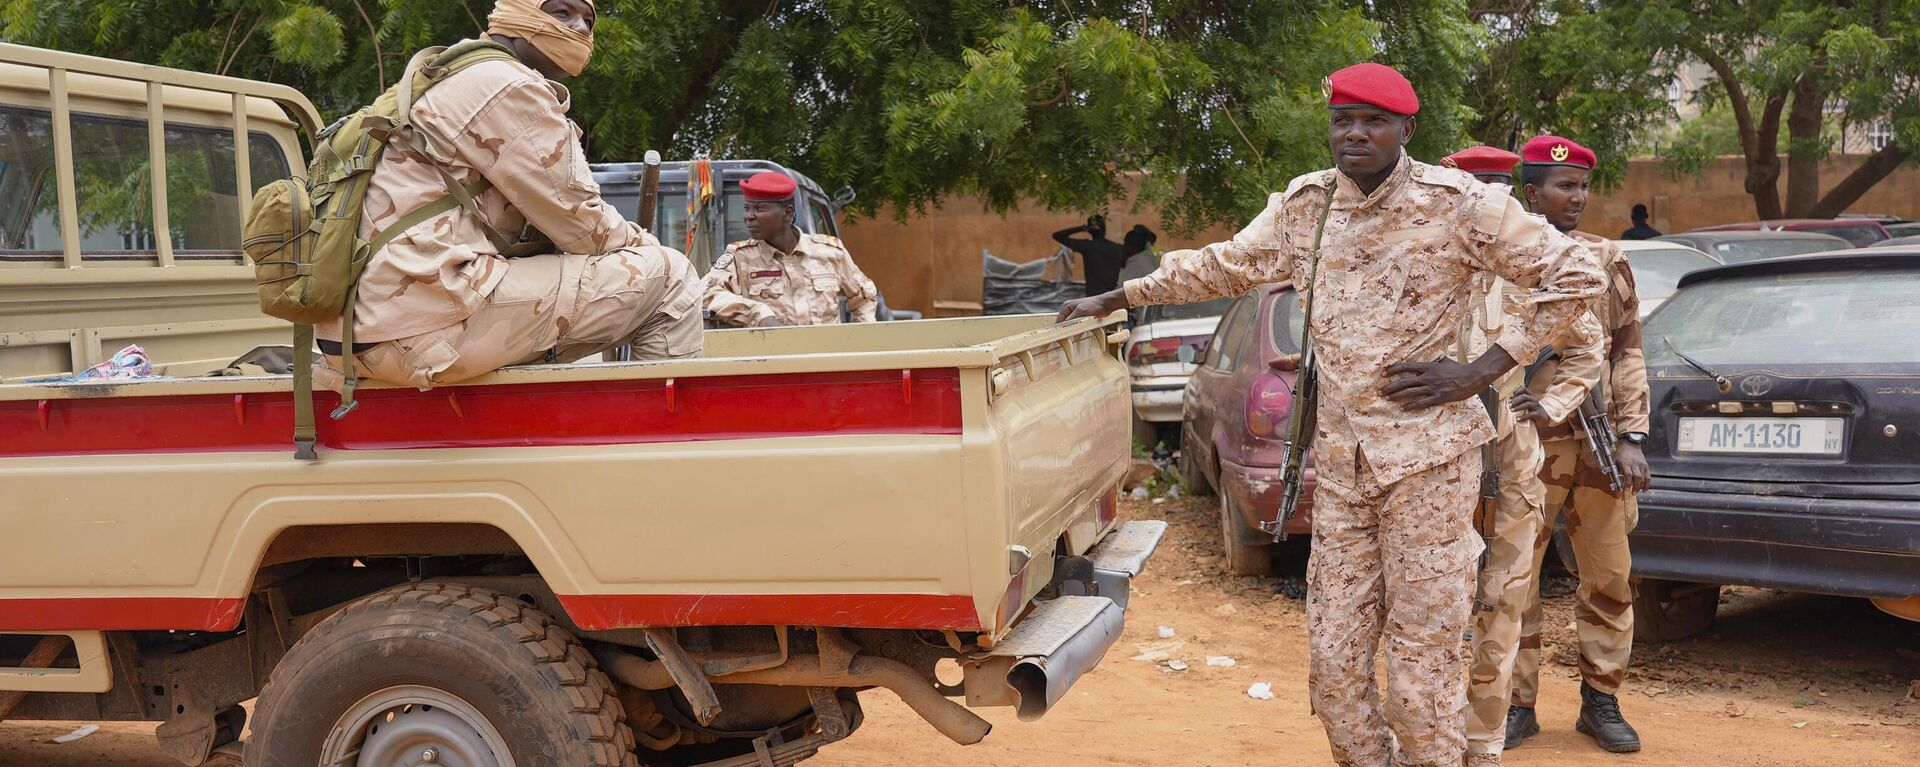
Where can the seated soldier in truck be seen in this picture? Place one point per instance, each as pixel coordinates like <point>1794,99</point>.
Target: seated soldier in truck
<point>445,301</point>
<point>784,276</point>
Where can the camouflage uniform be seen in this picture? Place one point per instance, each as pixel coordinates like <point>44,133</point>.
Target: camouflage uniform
<point>441,302</point>
<point>1506,578</point>
<point>1394,546</point>
<point>754,281</point>
<point>1598,520</point>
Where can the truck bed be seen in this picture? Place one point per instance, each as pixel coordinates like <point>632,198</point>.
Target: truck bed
<point>894,475</point>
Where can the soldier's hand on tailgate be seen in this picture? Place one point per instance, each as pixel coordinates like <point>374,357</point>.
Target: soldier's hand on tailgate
<point>1526,407</point>
<point>1421,385</point>
<point>1093,306</point>
<point>1632,461</point>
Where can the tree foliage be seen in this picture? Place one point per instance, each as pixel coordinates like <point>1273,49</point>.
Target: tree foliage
<point>1056,101</point>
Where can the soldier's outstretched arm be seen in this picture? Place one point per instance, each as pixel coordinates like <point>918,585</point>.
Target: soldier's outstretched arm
<point>1582,362</point>
<point>1256,255</point>
<point>1562,276</point>
<point>523,143</point>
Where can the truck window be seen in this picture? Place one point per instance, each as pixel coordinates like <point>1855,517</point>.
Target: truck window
<point>113,192</point>
<point>822,218</point>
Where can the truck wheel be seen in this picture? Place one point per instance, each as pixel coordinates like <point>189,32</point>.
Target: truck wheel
<point>1245,554</point>
<point>1664,611</point>
<point>474,677</point>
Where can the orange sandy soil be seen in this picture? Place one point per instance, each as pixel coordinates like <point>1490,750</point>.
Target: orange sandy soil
<point>1782,680</point>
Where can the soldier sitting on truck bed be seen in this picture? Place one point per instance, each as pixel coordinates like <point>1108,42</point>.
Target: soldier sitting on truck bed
<point>784,276</point>
<point>442,303</point>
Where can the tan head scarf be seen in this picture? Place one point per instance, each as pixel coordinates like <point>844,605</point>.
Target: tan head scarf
<point>524,19</point>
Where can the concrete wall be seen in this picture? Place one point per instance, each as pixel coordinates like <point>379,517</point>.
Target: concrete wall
<point>931,262</point>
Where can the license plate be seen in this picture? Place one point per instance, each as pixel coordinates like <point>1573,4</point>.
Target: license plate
<point>1770,436</point>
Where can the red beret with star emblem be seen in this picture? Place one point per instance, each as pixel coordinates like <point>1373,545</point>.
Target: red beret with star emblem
<point>1483,159</point>
<point>768,185</point>
<point>1371,85</point>
<point>1550,150</point>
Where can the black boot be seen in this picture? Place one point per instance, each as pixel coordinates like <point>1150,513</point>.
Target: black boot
<point>1600,717</point>
<point>1521,725</point>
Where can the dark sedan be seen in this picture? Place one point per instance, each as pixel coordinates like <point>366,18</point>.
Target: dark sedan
<point>1735,247</point>
<point>1785,443</point>
<point>1237,403</point>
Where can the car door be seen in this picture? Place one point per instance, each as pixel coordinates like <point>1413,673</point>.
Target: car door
<point>1211,386</point>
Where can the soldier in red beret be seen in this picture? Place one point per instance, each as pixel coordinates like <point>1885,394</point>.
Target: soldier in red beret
<point>1490,165</point>
<point>1389,249</point>
<point>784,276</point>
<point>1599,516</point>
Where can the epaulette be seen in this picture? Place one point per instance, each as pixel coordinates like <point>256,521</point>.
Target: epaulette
<point>1319,179</point>
<point>1434,175</point>
<point>742,244</point>
<point>829,240</point>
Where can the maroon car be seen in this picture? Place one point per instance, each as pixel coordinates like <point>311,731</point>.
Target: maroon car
<point>1237,403</point>
<point>1859,231</point>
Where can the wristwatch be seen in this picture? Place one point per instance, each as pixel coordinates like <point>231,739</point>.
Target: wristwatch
<point>1635,437</point>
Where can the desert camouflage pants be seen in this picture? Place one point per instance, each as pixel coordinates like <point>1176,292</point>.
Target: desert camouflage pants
<point>1506,583</point>
<point>1597,523</point>
<point>564,305</point>
<point>1394,561</point>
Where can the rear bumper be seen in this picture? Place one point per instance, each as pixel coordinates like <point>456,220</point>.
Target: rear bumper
<point>1059,640</point>
<point>1844,547</point>
<point>1159,399</point>
<point>1255,491</point>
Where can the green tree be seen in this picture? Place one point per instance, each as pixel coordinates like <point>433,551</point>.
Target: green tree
<point>1213,103</point>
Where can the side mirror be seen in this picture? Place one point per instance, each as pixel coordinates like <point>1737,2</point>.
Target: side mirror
<point>842,198</point>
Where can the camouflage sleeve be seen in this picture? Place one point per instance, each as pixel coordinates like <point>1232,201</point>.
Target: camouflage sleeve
<point>1632,399</point>
<point>861,293</point>
<point>523,142</point>
<point>1561,276</point>
<point>723,297</point>
<point>1255,256</point>
<point>1582,362</point>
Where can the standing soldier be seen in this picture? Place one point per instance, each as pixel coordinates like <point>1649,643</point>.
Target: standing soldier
<point>1513,524</point>
<point>443,302</point>
<point>1598,517</point>
<point>1399,428</point>
<point>783,276</point>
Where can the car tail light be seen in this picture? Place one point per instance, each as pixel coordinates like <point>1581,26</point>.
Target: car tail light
<point>1158,350</point>
<point>1269,405</point>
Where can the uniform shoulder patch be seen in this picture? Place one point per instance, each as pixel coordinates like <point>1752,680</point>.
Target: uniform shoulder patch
<point>1319,179</point>
<point>1625,270</point>
<point>723,262</point>
<point>1434,175</point>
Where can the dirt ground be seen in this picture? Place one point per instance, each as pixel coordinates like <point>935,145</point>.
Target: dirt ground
<point>1783,680</point>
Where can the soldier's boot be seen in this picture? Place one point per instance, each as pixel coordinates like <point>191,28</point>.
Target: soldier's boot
<point>1600,718</point>
<point>1521,725</point>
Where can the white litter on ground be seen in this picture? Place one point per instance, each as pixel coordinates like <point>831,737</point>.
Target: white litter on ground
<point>1220,661</point>
<point>1260,691</point>
<point>1166,632</point>
<point>77,734</point>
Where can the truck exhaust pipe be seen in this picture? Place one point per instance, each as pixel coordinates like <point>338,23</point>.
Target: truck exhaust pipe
<point>1033,667</point>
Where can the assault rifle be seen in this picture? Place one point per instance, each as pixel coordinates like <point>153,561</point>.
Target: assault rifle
<point>1593,420</point>
<point>1305,416</point>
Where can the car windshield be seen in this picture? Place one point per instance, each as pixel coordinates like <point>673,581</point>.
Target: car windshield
<point>1656,272</point>
<point>1861,235</point>
<point>1198,311</point>
<point>1739,251</point>
<point>1839,317</point>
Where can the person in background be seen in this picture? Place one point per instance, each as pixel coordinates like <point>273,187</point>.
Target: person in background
<point>1640,230</point>
<point>1100,257</point>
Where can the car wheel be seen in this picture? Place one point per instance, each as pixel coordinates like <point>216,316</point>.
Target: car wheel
<point>1664,610</point>
<point>1246,555</point>
<point>476,678</point>
<point>1191,470</point>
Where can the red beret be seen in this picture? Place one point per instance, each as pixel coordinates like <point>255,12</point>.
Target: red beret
<point>1554,150</point>
<point>1371,85</point>
<point>768,185</point>
<point>1482,159</point>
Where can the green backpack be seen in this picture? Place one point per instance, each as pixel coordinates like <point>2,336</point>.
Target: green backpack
<point>303,235</point>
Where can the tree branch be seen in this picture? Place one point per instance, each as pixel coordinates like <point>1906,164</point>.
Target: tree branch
<point>242,46</point>
<point>1877,167</point>
<point>1736,94</point>
<point>379,58</point>
<point>1055,99</point>
<point>1243,134</point>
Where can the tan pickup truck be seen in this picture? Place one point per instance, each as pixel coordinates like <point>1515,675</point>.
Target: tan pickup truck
<point>697,562</point>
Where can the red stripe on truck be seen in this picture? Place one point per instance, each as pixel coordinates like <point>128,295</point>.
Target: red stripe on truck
<point>506,415</point>
<point>876,611</point>
<point>121,614</point>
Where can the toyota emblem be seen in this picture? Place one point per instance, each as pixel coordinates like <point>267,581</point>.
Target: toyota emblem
<point>1756,385</point>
